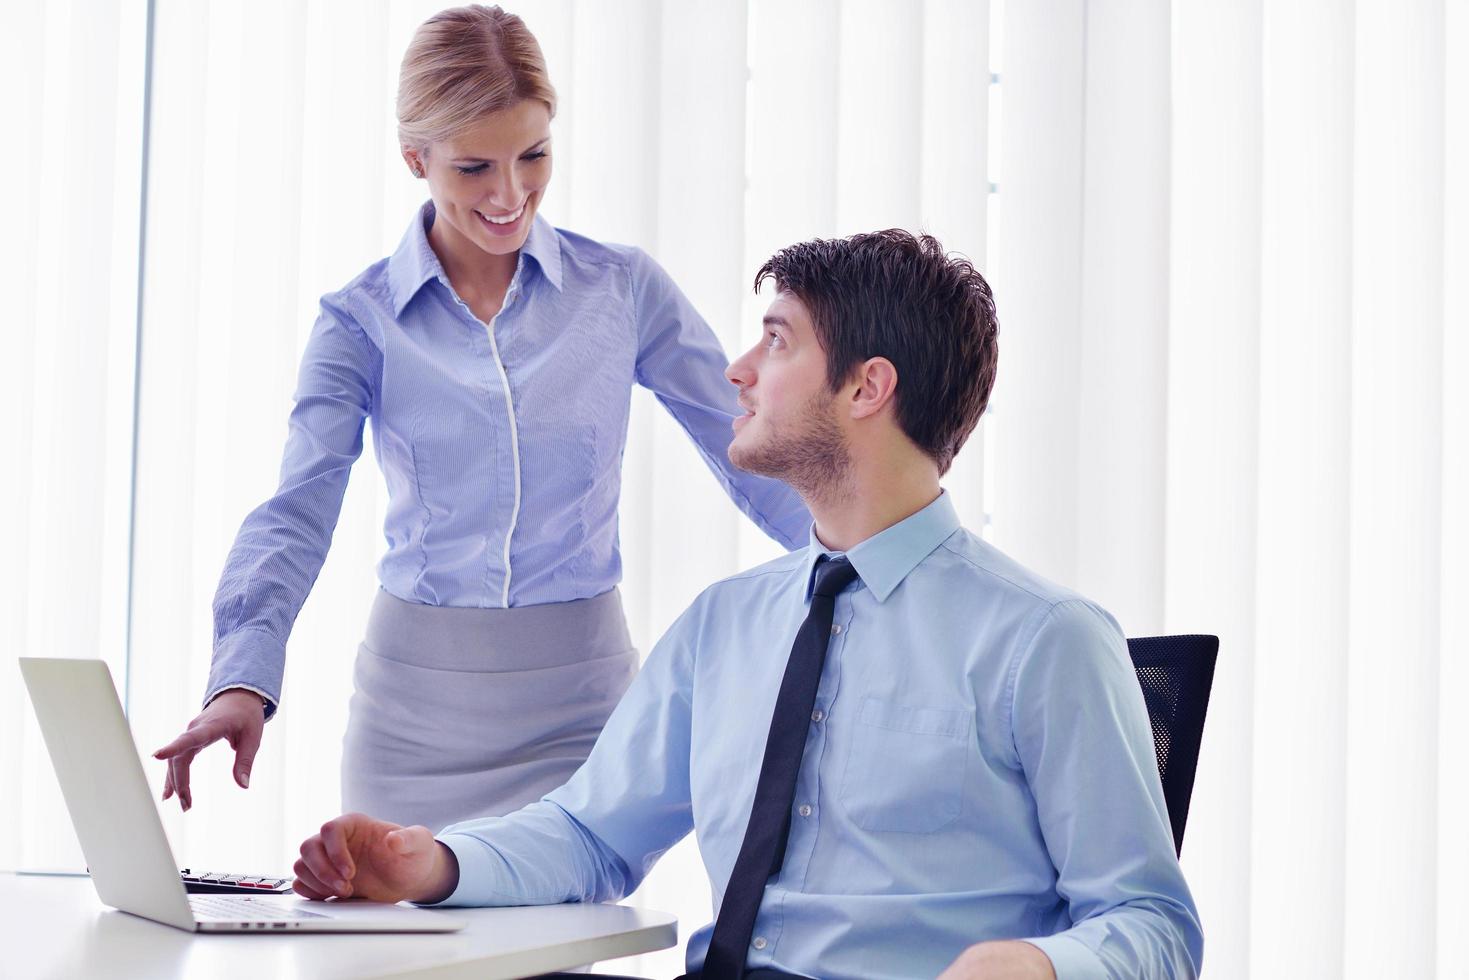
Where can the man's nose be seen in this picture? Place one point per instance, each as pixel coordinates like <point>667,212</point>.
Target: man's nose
<point>742,370</point>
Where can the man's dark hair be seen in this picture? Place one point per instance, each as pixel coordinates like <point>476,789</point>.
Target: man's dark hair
<point>896,295</point>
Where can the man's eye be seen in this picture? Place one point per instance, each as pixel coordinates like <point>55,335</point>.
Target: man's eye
<point>772,339</point>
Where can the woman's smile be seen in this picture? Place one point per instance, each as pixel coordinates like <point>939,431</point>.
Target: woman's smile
<point>506,223</point>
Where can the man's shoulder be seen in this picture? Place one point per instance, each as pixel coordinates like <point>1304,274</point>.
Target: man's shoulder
<point>742,597</point>
<point>966,556</point>
<point>967,564</point>
<point>774,574</point>
<point>963,560</point>
<point>765,580</point>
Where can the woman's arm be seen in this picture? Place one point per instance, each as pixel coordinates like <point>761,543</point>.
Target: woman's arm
<point>282,544</point>
<point>280,550</point>
<point>681,362</point>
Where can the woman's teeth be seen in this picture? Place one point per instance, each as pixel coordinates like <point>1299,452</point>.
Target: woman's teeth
<point>505,219</point>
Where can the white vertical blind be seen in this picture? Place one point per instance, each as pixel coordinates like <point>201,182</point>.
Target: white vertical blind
<point>1123,314</point>
<point>1304,516</point>
<point>878,134</point>
<point>1210,555</point>
<point>1393,650</point>
<point>1452,851</point>
<point>1038,284</point>
<point>72,74</point>
<point>953,181</point>
<point>1227,253</point>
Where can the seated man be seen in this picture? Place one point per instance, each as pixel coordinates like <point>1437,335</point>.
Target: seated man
<point>903,753</point>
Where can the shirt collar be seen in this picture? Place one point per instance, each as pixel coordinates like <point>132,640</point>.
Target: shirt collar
<point>544,245</point>
<point>886,558</point>
<point>414,262</point>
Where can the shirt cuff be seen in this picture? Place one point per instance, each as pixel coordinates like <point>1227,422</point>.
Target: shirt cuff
<point>478,874</point>
<point>265,700</point>
<point>252,659</point>
<point>1070,957</point>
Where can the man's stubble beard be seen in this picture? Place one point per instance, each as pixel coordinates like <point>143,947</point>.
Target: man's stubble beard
<point>810,454</point>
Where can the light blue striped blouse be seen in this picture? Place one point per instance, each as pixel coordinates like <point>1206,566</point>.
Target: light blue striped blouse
<point>501,444</point>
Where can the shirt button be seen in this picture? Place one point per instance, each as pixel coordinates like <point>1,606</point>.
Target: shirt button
<point>805,810</point>
<point>759,942</point>
<point>836,629</point>
<point>817,715</point>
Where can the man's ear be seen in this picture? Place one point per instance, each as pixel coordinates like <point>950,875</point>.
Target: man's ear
<point>876,386</point>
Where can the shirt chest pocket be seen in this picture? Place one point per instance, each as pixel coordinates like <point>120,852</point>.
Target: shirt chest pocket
<point>906,769</point>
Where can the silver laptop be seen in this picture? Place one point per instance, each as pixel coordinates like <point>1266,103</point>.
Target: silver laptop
<point>122,837</point>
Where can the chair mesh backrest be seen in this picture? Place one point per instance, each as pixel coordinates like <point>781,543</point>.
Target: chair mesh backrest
<point>1175,673</point>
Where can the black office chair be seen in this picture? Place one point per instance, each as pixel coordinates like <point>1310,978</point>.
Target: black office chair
<point>1176,673</point>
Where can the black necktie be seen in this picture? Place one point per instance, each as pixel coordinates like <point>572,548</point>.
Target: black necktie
<point>763,851</point>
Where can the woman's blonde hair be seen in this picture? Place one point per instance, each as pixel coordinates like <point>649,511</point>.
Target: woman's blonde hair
<point>463,64</point>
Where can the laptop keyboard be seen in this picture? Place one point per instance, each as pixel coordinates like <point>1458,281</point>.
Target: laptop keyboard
<point>222,908</point>
<point>218,883</point>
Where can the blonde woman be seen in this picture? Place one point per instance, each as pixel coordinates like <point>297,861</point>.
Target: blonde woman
<point>494,356</point>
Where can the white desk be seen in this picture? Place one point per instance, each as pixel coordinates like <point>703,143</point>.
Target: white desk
<point>56,927</point>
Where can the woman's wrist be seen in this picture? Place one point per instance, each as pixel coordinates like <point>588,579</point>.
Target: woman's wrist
<point>248,692</point>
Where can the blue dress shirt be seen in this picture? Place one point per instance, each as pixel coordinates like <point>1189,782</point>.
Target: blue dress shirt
<point>979,766</point>
<point>501,443</point>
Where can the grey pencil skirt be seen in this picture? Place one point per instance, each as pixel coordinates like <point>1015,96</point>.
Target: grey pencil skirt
<point>460,713</point>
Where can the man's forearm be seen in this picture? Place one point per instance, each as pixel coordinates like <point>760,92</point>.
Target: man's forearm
<point>538,855</point>
<point>1001,960</point>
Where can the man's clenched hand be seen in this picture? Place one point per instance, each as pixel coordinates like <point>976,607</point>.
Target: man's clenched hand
<point>356,856</point>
